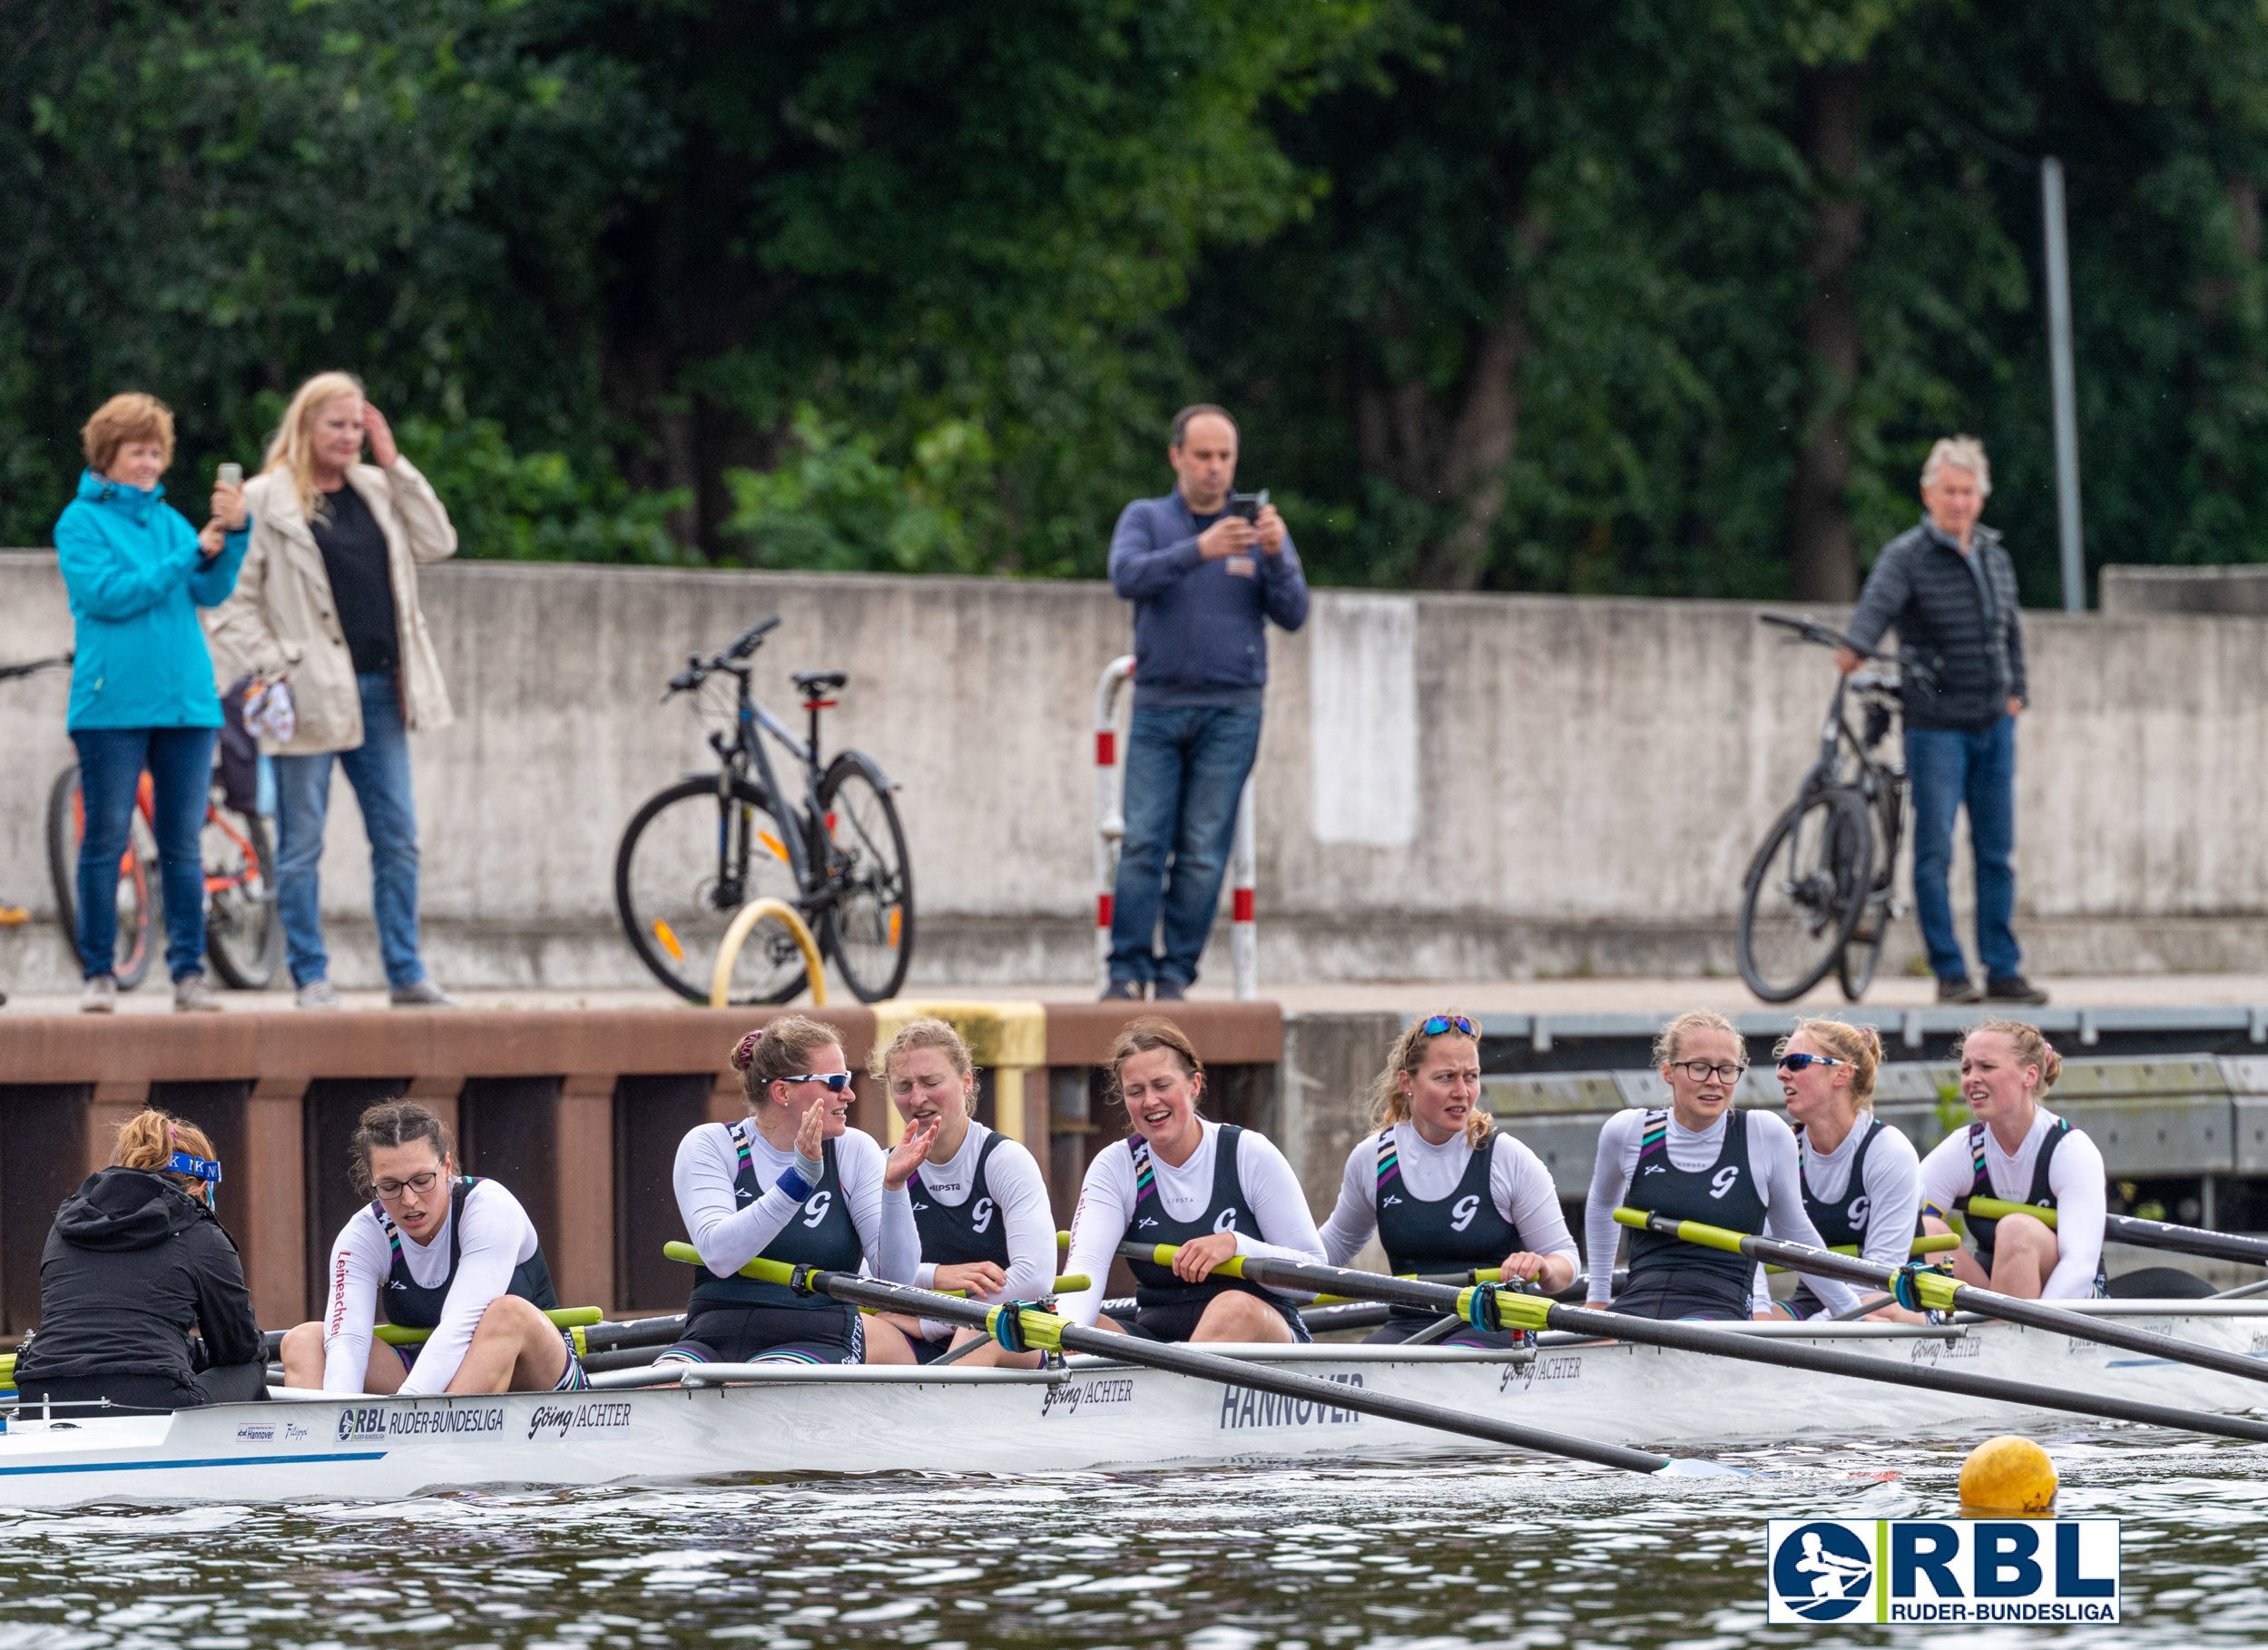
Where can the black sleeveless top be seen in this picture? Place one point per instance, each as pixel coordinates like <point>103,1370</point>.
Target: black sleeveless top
<point>820,1234</point>
<point>1980,1229</point>
<point>974,1231</point>
<point>1725,1193</point>
<point>1843,1221</point>
<point>1225,1211</point>
<point>409,1305</point>
<point>1456,1233</point>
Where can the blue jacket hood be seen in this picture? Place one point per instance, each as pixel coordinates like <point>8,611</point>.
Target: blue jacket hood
<point>97,488</point>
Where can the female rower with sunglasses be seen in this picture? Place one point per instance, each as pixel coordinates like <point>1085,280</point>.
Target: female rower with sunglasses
<point>1442,1187</point>
<point>142,1297</point>
<point>1697,1159</point>
<point>451,1254</point>
<point>792,1181</point>
<point>1862,1178</point>
<point>1212,1190</point>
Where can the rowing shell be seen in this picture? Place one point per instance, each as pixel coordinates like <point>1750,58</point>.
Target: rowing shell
<point>729,1419</point>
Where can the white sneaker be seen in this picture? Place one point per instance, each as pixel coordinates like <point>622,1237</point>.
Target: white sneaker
<point>193,994</point>
<point>99,995</point>
<point>318,994</point>
<point>424,994</point>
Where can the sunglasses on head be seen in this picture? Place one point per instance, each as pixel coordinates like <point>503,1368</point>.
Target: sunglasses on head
<point>1797,1061</point>
<point>1458,1023</point>
<point>836,1081</point>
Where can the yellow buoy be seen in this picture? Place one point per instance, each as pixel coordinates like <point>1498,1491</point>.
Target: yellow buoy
<point>2009,1475</point>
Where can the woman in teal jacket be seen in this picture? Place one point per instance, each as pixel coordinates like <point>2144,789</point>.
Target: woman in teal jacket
<point>141,693</point>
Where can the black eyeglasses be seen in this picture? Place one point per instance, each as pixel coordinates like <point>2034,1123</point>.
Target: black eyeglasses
<point>1701,1071</point>
<point>1458,1023</point>
<point>1798,1062</point>
<point>836,1081</point>
<point>420,1183</point>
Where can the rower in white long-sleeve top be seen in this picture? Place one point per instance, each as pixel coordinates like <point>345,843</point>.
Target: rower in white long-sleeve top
<point>792,1182</point>
<point>1697,1159</point>
<point>1213,1189</point>
<point>2017,1150</point>
<point>1862,1178</point>
<point>1445,1190</point>
<point>440,1252</point>
<point>979,1201</point>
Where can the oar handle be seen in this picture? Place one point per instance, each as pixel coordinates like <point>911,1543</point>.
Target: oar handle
<point>565,1317</point>
<point>777,1271</point>
<point>1937,1242</point>
<point>1993,1209</point>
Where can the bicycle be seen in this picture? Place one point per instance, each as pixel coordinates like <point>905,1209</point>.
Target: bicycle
<point>1821,893</point>
<point>696,851</point>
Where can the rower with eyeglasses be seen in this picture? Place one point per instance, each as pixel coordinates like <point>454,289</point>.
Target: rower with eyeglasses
<point>1446,1190</point>
<point>1697,1159</point>
<point>1862,1178</point>
<point>792,1181</point>
<point>453,1259</point>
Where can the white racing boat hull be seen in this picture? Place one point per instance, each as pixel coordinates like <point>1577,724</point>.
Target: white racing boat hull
<point>1092,1415</point>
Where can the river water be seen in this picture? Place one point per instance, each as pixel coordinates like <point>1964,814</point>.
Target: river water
<point>1501,1553</point>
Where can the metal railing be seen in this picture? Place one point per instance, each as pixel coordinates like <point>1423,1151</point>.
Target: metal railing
<point>1110,832</point>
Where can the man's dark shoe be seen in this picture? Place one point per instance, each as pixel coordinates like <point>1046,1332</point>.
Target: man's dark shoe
<point>1168,991</point>
<point>1122,991</point>
<point>1958,990</point>
<point>2014,989</point>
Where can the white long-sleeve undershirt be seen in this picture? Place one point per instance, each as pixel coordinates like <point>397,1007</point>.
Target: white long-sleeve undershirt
<point>496,1237</point>
<point>1271,1193</point>
<point>2074,1176</point>
<point>729,1236</point>
<point>1772,1160</point>
<point>1518,1183</point>
<point>1893,1188</point>
<point>1020,1193</point>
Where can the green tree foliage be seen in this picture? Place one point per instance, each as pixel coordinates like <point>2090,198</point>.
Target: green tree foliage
<point>1649,297</point>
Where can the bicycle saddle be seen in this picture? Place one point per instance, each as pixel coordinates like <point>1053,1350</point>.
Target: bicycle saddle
<point>815,682</point>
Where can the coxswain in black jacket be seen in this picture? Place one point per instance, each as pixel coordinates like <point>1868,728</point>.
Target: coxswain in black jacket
<point>141,1300</point>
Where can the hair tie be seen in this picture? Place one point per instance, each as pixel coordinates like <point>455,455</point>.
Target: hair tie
<point>744,1051</point>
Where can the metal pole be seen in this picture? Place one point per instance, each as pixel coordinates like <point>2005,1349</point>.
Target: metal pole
<point>2065,396</point>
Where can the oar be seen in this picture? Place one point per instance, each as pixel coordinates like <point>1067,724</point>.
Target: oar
<point>565,1317</point>
<point>1937,1242</point>
<point>1523,1312</point>
<point>1940,1292</point>
<point>1045,1330</point>
<point>2142,1234</point>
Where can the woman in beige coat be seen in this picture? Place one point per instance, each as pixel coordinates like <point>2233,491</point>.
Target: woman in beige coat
<point>327,601</point>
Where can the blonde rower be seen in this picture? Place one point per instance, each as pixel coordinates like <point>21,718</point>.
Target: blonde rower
<point>2015,1150</point>
<point>1442,1187</point>
<point>980,1201</point>
<point>1213,1189</point>
<point>1862,1178</point>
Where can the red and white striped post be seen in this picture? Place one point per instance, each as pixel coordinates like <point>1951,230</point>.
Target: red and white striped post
<point>1110,830</point>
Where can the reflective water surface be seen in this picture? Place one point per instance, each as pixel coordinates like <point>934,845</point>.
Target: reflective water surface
<point>1261,1558</point>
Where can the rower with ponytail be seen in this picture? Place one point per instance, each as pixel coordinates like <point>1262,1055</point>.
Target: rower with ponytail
<point>1445,1190</point>
<point>1862,1178</point>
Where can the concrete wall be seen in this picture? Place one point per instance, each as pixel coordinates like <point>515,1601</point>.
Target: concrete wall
<point>2127,592</point>
<point>1509,786</point>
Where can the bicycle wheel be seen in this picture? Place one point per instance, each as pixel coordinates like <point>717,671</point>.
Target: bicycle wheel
<point>869,929</point>
<point>1807,889</point>
<point>243,930</point>
<point>138,918</point>
<point>689,860</point>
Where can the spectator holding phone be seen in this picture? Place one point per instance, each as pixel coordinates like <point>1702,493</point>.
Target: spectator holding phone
<point>327,602</point>
<point>141,693</point>
<point>1205,568</point>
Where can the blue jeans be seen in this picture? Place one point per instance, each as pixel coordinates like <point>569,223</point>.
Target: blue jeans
<point>1186,769</point>
<point>379,770</point>
<point>1950,769</point>
<point>111,762</point>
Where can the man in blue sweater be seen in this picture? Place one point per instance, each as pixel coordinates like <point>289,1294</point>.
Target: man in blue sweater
<point>1203,582</point>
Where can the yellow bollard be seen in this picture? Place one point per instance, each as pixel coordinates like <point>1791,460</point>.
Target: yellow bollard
<point>1011,1038</point>
<point>2009,1475</point>
<point>744,925</point>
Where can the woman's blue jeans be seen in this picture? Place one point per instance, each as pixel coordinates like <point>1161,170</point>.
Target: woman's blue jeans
<point>1185,771</point>
<point>379,770</point>
<point>111,762</point>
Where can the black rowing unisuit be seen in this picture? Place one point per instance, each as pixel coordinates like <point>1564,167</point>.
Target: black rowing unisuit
<point>820,1234</point>
<point>1458,1232</point>
<point>974,1231</point>
<point>409,1305</point>
<point>1670,1278</point>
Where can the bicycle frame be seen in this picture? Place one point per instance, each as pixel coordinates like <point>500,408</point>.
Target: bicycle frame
<point>746,748</point>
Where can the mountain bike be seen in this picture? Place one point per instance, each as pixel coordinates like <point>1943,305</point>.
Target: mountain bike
<point>243,930</point>
<point>700,850</point>
<point>1821,893</point>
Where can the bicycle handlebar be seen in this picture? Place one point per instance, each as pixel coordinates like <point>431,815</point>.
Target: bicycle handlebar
<point>31,667</point>
<point>752,639</point>
<point>1808,629</point>
<point>698,669</point>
